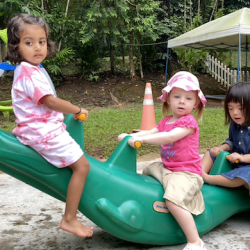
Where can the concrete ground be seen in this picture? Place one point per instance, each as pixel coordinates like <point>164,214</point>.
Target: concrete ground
<point>29,220</point>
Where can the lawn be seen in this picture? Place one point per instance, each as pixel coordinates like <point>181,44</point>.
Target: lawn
<point>105,124</point>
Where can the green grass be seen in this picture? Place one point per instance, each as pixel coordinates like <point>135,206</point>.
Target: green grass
<point>105,124</point>
<point>212,129</point>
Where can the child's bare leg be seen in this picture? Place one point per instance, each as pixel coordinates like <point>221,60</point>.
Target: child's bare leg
<point>70,222</point>
<point>223,181</point>
<point>206,163</point>
<point>186,222</point>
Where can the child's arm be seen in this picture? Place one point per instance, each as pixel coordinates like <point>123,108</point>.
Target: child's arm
<point>163,137</point>
<point>63,106</point>
<point>138,134</point>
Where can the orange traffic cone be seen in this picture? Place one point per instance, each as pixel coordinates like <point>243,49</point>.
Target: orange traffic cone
<point>148,111</point>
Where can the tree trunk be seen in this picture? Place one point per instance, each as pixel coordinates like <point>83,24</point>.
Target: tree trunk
<point>167,3</point>
<point>112,59</point>
<point>123,56</point>
<point>190,14</point>
<point>199,10</point>
<point>131,56</point>
<point>185,17</point>
<point>139,55</point>
<point>214,8</point>
<point>169,9</point>
<point>66,13</point>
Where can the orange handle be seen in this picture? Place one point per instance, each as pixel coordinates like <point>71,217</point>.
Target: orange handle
<point>137,144</point>
<point>81,117</point>
<point>237,161</point>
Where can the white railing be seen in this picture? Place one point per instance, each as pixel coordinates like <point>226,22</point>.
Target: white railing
<point>222,73</point>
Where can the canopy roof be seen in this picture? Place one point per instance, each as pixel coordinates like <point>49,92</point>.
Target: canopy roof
<point>222,33</point>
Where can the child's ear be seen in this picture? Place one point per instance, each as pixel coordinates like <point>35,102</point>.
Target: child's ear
<point>197,103</point>
<point>168,100</point>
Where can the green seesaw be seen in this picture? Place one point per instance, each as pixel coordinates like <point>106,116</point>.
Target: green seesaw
<point>117,199</point>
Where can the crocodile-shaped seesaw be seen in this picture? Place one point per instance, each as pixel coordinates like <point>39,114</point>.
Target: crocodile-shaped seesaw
<point>117,199</point>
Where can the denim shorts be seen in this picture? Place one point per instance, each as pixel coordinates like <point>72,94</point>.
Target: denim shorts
<point>212,157</point>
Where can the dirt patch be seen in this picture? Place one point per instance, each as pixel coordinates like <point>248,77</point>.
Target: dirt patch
<point>121,90</point>
<point>115,89</point>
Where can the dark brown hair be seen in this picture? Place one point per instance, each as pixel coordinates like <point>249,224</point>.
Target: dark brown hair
<point>15,26</point>
<point>238,93</point>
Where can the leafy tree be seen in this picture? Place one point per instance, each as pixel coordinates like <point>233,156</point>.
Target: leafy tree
<point>122,22</point>
<point>92,29</point>
<point>143,24</point>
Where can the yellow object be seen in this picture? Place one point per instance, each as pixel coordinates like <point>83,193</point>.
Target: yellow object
<point>137,144</point>
<point>81,117</point>
<point>237,161</point>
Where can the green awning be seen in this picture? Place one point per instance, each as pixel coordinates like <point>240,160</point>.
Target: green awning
<point>222,33</point>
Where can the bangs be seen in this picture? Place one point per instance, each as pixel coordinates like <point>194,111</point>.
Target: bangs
<point>234,96</point>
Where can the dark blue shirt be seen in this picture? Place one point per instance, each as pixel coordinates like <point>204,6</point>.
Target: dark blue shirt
<point>239,140</point>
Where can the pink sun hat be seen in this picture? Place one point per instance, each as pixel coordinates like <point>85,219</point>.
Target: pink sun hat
<point>183,80</point>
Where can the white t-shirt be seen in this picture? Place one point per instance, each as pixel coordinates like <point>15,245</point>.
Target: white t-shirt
<point>35,122</point>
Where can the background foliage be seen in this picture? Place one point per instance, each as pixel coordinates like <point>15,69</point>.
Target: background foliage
<point>86,31</point>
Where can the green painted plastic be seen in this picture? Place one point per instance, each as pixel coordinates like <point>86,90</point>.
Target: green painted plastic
<point>6,109</point>
<point>115,197</point>
<point>5,103</point>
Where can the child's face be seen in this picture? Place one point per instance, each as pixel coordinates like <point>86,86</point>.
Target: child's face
<point>182,102</point>
<point>236,112</point>
<point>33,44</point>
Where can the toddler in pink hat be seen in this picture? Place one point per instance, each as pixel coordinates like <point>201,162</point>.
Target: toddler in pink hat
<point>179,171</point>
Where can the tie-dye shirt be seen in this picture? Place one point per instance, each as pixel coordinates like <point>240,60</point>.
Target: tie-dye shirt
<point>182,155</point>
<point>35,122</point>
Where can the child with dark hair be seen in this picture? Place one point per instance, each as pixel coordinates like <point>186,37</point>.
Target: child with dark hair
<point>237,114</point>
<point>39,113</point>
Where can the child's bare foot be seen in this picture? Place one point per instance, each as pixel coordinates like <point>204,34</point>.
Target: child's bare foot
<point>76,227</point>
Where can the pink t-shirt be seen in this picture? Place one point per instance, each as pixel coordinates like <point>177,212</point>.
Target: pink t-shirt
<point>182,155</point>
<point>35,122</point>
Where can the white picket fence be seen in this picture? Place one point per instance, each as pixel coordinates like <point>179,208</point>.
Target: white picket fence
<point>222,73</point>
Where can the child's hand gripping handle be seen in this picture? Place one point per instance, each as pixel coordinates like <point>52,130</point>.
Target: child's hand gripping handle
<point>227,157</point>
<point>134,142</point>
<point>236,161</point>
<point>81,117</point>
<point>137,144</point>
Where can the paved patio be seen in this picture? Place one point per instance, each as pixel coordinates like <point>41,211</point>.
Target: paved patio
<point>29,219</point>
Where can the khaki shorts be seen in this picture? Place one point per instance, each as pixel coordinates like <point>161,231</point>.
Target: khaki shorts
<point>182,188</point>
<point>61,151</point>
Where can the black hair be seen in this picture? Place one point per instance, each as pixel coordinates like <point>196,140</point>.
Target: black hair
<point>14,27</point>
<point>238,93</point>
